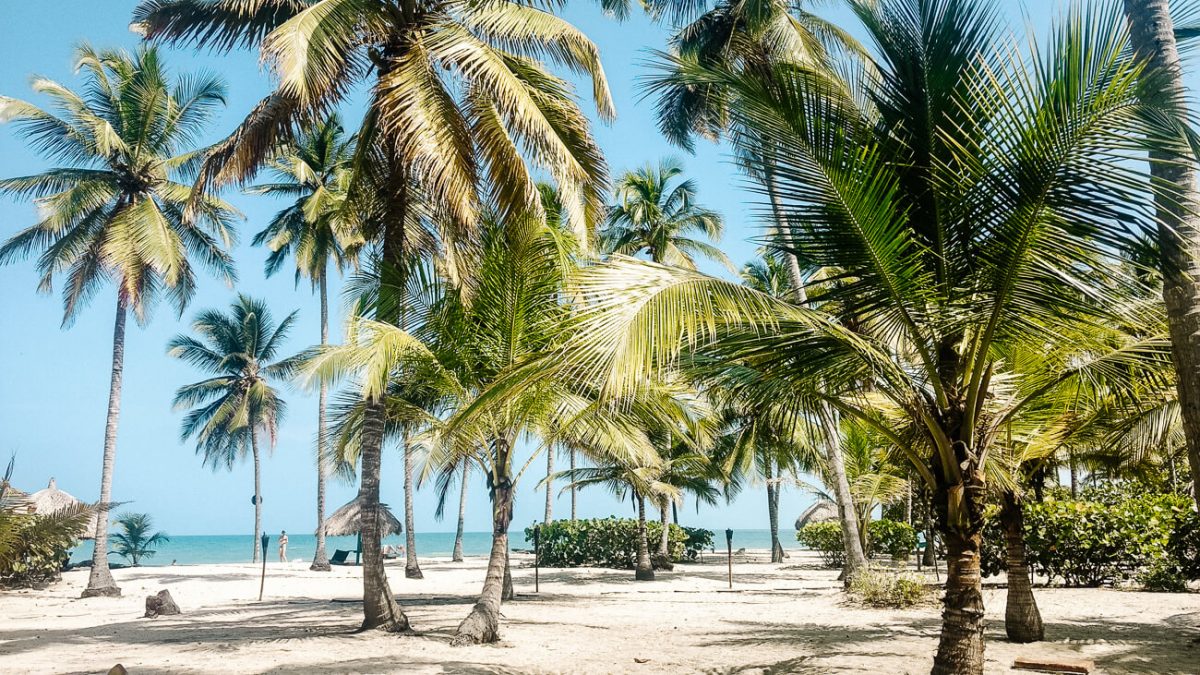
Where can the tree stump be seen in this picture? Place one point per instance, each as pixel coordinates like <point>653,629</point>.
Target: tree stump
<point>160,605</point>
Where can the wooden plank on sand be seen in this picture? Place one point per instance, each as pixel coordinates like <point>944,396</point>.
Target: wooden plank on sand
<point>1048,665</point>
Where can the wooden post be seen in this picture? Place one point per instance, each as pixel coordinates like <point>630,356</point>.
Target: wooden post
<point>263,581</point>
<point>729,551</point>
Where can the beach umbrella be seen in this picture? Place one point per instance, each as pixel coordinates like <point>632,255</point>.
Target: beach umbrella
<point>821,511</point>
<point>348,520</point>
<point>53,500</point>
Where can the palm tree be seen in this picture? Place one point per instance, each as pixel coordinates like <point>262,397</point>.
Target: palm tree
<point>1152,36</point>
<point>954,240</point>
<point>231,409</point>
<point>114,211</point>
<point>134,541</point>
<point>461,113</point>
<point>316,229</point>
<point>654,218</point>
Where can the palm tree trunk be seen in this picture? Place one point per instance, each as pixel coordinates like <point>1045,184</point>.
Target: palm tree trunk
<point>1153,37</point>
<point>664,535</point>
<point>855,558</point>
<point>462,514</point>
<point>793,265</point>
<point>549,486</point>
<point>100,580</point>
<point>257,491</point>
<point>1022,620</point>
<point>380,610</point>
<point>644,570</point>
<point>320,561</point>
<point>960,648</point>
<point>483,623</point>
<point>929,558</point>
<point>412,569</point>
<point>773,514</point>
<point>572,460</point>
<point>509,593</point>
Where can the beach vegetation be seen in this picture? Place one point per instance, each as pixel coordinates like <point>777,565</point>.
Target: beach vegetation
<point>134,540</point>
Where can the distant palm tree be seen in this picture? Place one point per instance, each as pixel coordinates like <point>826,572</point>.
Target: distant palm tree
<point>317,229</point>
<point>238,403</point>
<point>654,218</point>
<point>134,541</point>
<point>115,211</point>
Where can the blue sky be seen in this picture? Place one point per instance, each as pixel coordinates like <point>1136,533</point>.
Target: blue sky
<point>54,382</point>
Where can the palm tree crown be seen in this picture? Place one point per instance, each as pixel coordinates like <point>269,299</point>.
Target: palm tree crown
<point>116,209</point>
<point>654,218</point>
<point>239,349</point>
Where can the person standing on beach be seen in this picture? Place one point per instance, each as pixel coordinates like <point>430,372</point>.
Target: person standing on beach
<point>283,546</point>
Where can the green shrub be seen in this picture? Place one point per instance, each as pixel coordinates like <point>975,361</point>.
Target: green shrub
<point>608,542</point>
<point>36,547</point>
<point>884,536</point>
<point>825,539</point>
<point>1164,576</point>
<point>881,588</point>
<point>698,540</point>
<point>1183,546</point>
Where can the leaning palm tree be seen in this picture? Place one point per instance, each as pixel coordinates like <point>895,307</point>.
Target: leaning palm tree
<point>134,540</point>
<point>318,230</point>
<point>114,211</point>
<point>461,112</point>
<point>655,218</point>
<point>231,409</point>
<point>955,241</point>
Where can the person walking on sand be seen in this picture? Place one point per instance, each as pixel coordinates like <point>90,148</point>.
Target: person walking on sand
<point>283,546</point>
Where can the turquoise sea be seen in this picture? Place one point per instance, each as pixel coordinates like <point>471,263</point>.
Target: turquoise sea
<point>226,548</point>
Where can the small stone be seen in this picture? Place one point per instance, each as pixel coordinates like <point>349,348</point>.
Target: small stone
<point>160,605</point>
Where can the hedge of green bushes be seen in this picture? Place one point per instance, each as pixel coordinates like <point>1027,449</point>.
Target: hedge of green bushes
<point>884,537</point>
<point>611,542</point>
<point>1106,536</point>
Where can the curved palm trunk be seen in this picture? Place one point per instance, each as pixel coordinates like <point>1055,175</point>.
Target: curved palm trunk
<point>549,486</point>
<point>851,539</point>
<point>462,514</point>
<point>572,461</point>
<point>777,212</point>
<point>960,648</point>
<point>380,610</point>
<point>257,493</point>
<point>644,570</point>
<point>509,593</point>
<point>929,558</point>
<point>412,569</point>
<point>1152,34</point>
<point>100,580</point>
<point>773,513</point>
<point>320,561</point>
<point>664,534</point>
<point>1022,620</point>
<point>483,623</point>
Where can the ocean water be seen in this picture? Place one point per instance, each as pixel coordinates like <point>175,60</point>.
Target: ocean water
<point>227,548</point>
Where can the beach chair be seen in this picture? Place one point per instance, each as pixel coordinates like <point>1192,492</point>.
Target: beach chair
<point>339,557</point>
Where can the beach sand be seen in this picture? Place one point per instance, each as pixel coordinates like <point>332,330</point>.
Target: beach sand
<point>789,618</point>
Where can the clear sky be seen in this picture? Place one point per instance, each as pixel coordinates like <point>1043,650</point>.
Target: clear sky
<point>54,382</point>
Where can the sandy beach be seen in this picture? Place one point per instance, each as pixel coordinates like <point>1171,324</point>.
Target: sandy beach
<point>788,618</point>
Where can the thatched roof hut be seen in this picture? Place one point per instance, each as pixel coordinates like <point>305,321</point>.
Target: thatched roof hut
<point>348,520</point>
<point>53,500</point>
<point>821,511</point>
<point>14,498</point>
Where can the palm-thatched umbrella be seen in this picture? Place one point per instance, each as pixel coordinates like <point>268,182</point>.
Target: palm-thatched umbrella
<point>821,511</point>
<point>53,500</point>
<point>14,499</point>
<point>348,520</point>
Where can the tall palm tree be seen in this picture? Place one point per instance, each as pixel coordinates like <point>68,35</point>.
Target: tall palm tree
<point>461,112</point>
<point>317,230</point>
<point>955,241</point>
<point>114,211</point>
<point>653,217</point>
<point>1152,36</point>
<point>231,409</point>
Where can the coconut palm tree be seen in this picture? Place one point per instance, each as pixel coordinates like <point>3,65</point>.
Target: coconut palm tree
<point>317,230</point>
<point>113,211</point>
<point>238,404</point>
<point>134,541</point>
<point>462,112</point>
<point>954,240</point>
<point>1152,36</point>
<point>653,217</point>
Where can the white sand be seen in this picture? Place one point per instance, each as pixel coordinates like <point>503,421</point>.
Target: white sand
<point>780,619</point>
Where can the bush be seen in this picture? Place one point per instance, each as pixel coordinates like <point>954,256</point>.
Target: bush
<point>1163,576</point>
<point>888,537</point>
<point>35,548</point>
<point>1183,546</point>
<point>880,588</point>
<point>698,539</point>
<point>608,542</point>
